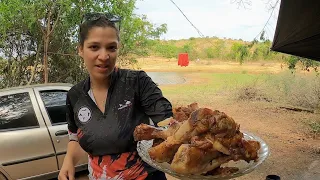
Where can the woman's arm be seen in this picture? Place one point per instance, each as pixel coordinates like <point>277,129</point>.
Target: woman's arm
<point>74,153</point>
<point>74,150</point>
<point>154,104</point>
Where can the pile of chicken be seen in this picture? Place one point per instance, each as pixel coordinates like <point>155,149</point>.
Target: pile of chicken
<point>198,141</point>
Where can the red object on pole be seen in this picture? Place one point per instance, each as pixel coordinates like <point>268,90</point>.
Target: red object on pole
<point>183,59</point>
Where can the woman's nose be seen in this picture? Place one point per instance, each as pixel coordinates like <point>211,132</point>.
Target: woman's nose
<point>104,55</point>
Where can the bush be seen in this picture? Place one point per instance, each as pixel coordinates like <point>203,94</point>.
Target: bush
<point>262,51</point>
<point>215,51</point>
<point>189,48</point>
<point>251,93</point>
<point>292,62</point>
<point>315,127</point>
<point>294,89</point>
<point>166,50</point>
<point>210,53</point>
<point>239,52</point>
<point>286,88</point>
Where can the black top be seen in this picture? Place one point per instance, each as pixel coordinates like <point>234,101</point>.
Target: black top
<point>132,98</point>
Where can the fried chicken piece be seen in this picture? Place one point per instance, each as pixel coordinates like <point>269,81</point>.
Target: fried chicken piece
<point>225,126</point>
<point>147,132</point>
<point>165,151</point>
<point>180,116</point>
<point>192,160</point>
<point>201,142</point>
<point>207,144</point>
<point>198,122</point>
<point>156,142</point>
<point>205,120</point>
<point>224,144</point>
<point>234,146</point>
<point>193,106</point>
<point>166,122</point>
<point>247,150</point>
<point>183,113</point>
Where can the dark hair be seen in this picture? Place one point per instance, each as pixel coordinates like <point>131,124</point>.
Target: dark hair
<point>86,26</point>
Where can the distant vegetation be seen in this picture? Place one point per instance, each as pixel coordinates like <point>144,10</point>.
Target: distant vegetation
<point>225,50</point>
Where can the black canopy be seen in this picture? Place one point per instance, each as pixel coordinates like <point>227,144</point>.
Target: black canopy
<point>298,29</point>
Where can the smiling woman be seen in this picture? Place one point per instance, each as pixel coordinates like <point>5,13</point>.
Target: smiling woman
<point>104,109</point>
<point>99,48</point>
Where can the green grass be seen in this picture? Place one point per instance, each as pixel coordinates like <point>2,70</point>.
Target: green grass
<point>210,86</point>
<point>284,88</point>
<point>315,127</point>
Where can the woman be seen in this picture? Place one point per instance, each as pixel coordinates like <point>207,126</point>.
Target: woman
<point>104,109</point>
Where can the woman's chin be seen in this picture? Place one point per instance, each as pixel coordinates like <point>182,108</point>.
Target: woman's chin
<point>101,75</point>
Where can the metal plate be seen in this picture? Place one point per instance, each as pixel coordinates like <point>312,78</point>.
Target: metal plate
<point>244,167</point>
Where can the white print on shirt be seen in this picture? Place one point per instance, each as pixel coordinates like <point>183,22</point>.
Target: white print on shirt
<point>126,104</point>
<point>84,114</point>
<point>103,176</point>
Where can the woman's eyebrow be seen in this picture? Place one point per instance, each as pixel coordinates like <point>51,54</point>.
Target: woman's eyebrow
<point>93,43</point>
<point>113,43</point>
<point>98,43</point>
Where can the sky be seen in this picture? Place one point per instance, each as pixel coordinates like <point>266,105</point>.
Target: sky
<point>220,18</point>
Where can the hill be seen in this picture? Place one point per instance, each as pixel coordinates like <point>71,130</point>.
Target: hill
<point>215,48</point>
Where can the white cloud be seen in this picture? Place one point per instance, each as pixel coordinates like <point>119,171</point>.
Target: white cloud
<point>212,17</point>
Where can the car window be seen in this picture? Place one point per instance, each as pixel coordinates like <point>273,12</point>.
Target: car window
<point>16,111</point>
<point>55,103</point>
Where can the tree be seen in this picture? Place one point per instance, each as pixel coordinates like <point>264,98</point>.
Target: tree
<point>270,4</point>
<point>242,3</point>
<point>40,36</point>
<point>239,52</point>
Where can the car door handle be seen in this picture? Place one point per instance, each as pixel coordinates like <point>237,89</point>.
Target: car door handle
<point>61,133</point>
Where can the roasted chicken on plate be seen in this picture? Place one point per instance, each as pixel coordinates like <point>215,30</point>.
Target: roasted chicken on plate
<point>198,141</point>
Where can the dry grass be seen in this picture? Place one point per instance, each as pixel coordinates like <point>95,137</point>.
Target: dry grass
<point>298,90</point>
<point>211,81</point>
<point>215,66</point>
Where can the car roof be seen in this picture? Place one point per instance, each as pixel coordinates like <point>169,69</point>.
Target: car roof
<point>36,85</point>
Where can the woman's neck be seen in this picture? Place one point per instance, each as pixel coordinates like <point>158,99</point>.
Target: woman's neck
<point>99,84</point>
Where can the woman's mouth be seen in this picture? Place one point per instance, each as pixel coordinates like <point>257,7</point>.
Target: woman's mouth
<point>101,67</point>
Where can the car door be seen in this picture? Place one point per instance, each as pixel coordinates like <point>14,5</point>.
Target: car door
<point>26,149</point>
<point>52,102</point>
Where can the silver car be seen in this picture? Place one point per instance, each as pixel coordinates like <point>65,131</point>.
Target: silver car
<point>33,132</point>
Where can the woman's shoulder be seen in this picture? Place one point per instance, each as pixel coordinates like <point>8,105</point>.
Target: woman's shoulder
<point>76,89</point>
<point>131,73</point>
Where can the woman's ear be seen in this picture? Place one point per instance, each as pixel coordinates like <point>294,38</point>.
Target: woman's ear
<point>80,50</point>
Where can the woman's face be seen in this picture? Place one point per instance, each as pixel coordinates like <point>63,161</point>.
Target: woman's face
<point>99,52</point>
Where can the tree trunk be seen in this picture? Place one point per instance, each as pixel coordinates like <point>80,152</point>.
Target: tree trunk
<point>46,40</point>
<point>34,70</point>
<point>45,60</point>
<point>45,47</point>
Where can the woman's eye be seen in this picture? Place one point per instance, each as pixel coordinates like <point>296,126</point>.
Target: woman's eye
<point>94,47</point>
<point>113,48</point>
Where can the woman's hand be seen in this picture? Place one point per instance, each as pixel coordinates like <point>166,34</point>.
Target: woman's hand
<point>74,153</point>
<point>67,171</point>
